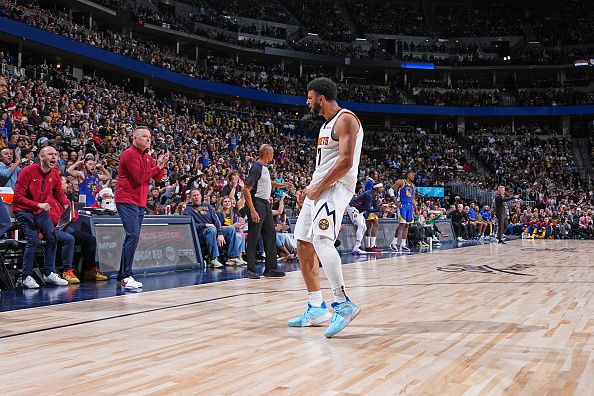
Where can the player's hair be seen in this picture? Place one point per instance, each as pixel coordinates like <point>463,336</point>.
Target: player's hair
<point>323,86</point>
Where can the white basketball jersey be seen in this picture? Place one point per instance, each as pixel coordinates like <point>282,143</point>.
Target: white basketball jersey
<point>327,153</point>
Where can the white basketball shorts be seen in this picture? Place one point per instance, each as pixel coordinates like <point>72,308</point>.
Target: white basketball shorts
<point>324,216</point>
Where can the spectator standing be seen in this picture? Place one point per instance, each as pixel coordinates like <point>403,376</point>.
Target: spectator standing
<point>137,167</point>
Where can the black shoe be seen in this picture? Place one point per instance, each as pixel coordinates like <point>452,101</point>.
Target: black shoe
<point>260,257</point>
<point>273,274</point>
<point>252,275</point>
<point>501,242</point>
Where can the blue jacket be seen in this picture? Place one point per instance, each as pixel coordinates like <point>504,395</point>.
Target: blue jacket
<point>203,214</point>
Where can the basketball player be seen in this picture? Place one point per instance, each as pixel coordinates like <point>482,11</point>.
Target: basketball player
<point>406,208</point>
<point>323,204</point>
<point>366,204</point>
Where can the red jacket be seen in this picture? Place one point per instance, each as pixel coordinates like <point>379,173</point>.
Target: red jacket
<point>33,187</point>
<point>135,171</point>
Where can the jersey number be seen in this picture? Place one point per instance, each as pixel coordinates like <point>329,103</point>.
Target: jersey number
<point>319,156</point>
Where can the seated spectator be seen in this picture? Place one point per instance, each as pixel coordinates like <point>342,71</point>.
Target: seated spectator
<point>35,187</point>
<point>106,199</point>
<point>229,217</point>
<point>9,170</point>
<point>212,233</point>
<point>460,222</point>
<point>285,242</point>
<point>69,238</point>
<point>234,186</point>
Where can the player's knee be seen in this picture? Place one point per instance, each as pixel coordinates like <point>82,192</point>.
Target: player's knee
<point>323,243</point>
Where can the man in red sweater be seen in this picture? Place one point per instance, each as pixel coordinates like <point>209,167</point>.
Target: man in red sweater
<point>135,171</point>
<point>35,186</point>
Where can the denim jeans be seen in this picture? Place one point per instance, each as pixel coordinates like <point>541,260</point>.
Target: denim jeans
<point>234,244</point>
<point>67,242</point>
<point>131,216</point>
<point>32,225</point>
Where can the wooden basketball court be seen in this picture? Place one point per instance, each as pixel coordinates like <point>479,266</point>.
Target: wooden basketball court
<point>488,320</point>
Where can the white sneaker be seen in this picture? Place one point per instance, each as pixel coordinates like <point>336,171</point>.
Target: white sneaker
<point>404,248</point>
<point>359,251</point>
<point>29,283</point>
<point>55,279</point>
<point>394,247</point>
<point>215,263</point>
<point>130,284</point>
<point>460,239</point>
<point>138,283</point>
<point>235,261</point>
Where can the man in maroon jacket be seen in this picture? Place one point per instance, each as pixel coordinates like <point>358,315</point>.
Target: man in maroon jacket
<point>135,171</point>
<point>35,185</point>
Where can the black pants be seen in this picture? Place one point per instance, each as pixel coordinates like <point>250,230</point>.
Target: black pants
<point>460,229</point>
<point>501,225</point>
<point>266,228</point>
<point>88,245</point>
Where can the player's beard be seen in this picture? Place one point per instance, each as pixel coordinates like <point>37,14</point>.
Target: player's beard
<point>316,109</point>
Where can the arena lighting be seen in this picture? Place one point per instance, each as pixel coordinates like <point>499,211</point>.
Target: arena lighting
<point>580,63</point>
<point>533,42</point>
<point>312,34</point>
<point>417,65</point>
<point>360,39</point>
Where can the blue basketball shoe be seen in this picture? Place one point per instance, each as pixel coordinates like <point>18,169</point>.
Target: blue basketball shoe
<point>313,316</point>
<point>344,313</point>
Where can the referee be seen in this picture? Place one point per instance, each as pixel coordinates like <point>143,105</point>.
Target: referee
<point>258,186</point>
<point>501,212</point>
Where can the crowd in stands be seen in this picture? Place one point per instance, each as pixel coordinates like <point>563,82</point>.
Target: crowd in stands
<point>371,17</point>
<point>89,122</point>
<point>490,19</point>
<point>543,164</point>
<point>322,18</point>
<point>273,79</point>
<point>542,21</point>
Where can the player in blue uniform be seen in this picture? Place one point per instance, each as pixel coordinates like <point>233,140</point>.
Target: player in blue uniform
<point>406,191</point>
<point>370,181</point>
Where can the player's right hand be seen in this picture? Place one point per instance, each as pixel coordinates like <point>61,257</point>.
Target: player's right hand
<point>255,217</point>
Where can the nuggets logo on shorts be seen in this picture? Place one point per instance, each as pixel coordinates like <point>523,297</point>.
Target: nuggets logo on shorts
<point>324,224</point>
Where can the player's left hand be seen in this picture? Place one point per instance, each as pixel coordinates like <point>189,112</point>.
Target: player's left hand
<point>311,192</point>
